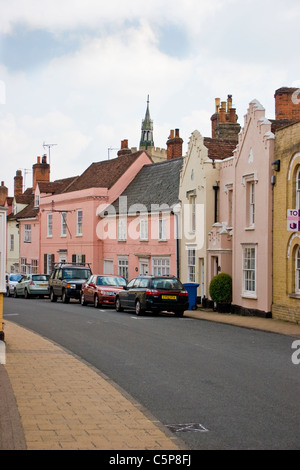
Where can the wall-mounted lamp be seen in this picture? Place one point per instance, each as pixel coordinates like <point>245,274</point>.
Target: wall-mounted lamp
<point>276,165</point>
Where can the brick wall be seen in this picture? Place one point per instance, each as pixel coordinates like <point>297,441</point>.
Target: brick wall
<point>286,306</point>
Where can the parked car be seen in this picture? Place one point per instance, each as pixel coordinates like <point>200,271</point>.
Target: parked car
<point>66,281</point>
<point>13,279</point>
<point>155,294</point>
<point>32,285</point>
<point>102,289</point>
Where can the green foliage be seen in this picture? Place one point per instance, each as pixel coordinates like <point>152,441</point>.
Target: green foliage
<point>220,288</point>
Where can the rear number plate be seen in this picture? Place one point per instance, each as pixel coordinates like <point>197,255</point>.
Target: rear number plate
<point>169,297</point>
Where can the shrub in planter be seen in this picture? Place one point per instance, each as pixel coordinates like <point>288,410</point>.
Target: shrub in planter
<point>220,291</point>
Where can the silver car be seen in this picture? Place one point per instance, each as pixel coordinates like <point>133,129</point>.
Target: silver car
<point>11,282</point>
<point>32,285</point>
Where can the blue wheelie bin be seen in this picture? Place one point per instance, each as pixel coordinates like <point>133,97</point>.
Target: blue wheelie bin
<point>191,288</point>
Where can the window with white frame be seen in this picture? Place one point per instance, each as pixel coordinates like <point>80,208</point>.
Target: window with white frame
<point>63,224</point>
<point>23,265</point>
<point>298,189</point>
<point>297,271</point>
<point>36,200</point>
<point>161,266</point>
<point>34,266</point>
<point>12,242</point>
<point>122,225</point>
<point>27,233</point>
<point>251,188</point>
<point>191,264</point>
<point>162,229</point>
<point>144,229</point>
<point>193,213</point>
<point>249,270</point>
<point>79,218</point>
<point>123,267</point>
<point>49,225</point>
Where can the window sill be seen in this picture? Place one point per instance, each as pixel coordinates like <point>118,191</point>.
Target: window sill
<point>246,295</point>
<point>294,295</point>
<point>252,227</point>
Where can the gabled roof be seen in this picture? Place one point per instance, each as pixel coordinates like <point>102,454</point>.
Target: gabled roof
<point>157,183</point>
<point>103,174</point>
<point>218,149</point>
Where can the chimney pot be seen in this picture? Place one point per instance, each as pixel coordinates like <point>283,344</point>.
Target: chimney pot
<point>217,101</point>
<point>39,159</point>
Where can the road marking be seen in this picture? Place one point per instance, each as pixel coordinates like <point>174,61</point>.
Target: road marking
<point>10,314</point>
<point>189,427</point>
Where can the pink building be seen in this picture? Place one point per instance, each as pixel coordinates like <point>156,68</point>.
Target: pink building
<point>68,213</point>
<point>241,242</point>
<point>142,224</point>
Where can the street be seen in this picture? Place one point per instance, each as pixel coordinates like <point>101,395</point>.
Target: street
<point>217,386</point>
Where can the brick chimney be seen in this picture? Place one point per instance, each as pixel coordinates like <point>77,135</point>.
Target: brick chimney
<point>124,148</point>
<point>174,145</point>
<point>224,123</point>
<point>287,104</point>
<point>41,171</point>
<point>18,183</point>
<point>3,193</point>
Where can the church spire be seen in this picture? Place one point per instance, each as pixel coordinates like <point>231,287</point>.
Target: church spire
<point>147,130</point>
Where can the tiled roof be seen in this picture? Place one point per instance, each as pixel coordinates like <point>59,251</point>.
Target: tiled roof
<point>157,183</point>
<point>56,186</point>
<point>103,174</point>
<point>28,211</point>
<point>24,198</point>
<point>218,149</point>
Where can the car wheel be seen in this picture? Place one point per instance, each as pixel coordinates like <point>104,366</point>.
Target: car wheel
<point>96,302</point>
<point>7,292</point>
<point>118,305</point>
<point>53,297</point>
<point>82,299</point>
<point>26,294</point>
<point>179,313</point>
<point>138,308</point>
<point>64,298</point>
<point>15,293</point>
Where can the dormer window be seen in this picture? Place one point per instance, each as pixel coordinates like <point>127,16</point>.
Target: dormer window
<point>36,200</point>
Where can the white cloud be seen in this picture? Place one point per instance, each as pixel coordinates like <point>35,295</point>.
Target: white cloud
<point>57,15</point>
<point>90,96</point>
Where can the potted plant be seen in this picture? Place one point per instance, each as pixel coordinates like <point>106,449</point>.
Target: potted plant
<point>220,291</point>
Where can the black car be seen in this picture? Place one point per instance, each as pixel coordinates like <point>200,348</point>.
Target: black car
<point>154,294</point>
<point>66,281</point>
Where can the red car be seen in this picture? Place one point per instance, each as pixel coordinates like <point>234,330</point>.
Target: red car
<point>101,290</point>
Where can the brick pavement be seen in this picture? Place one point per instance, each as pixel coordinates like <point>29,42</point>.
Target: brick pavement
<point>65,404</point>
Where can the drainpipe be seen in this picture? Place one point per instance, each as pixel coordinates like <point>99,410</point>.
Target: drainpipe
<point>216,188</point>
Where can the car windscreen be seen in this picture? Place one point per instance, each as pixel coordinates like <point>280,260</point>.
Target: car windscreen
<point>111,281</point>
<point>15,277</point>
<point>40,277</point>
<point>73,273</point>
<point>166,284</point>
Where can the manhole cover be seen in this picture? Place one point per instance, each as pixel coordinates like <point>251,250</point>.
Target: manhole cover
<point>189,427</point>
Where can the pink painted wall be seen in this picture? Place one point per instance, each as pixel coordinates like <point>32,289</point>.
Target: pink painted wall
<point>138,250</point>
<point>91,201</point>
<point>253,158</point>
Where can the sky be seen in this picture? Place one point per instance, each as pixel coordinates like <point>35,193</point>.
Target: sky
<point>75,74</point>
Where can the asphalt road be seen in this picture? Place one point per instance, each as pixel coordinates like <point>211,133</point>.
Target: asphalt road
<point>223,386</point>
